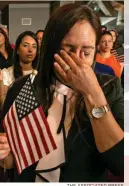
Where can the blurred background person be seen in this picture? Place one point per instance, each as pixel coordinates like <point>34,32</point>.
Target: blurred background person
<point>25,60</point>
<point>103,28</point>
<point>118,52</point>
<point>6,51</point>
<point>5,30</point>
<point>7,33</point>
<point>39,35</point>
<point>114,36</point>
<point>104,55</point>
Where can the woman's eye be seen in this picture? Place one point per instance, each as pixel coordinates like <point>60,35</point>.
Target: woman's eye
<point>67,49</point>
<point>34,46</point>
<point>86,53</point>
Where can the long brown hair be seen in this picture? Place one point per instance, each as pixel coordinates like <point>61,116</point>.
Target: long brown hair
<point>8,47</point>
<point>57,27</point>
<point>17,67</point>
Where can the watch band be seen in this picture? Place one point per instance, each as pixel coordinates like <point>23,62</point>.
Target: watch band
<point>107,108</point>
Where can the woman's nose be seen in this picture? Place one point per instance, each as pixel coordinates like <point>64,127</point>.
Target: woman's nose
<point>30,49</point>
<point>106,43</point>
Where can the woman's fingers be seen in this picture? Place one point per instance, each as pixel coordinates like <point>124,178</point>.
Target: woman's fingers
<point>78,61</point>
<point>68,60</point>
<point>4,146</point>
<point>60,70</point>
<point>4,143</point>
<point>4,150</point>
<point>82,56</point>
<point>60,61</point>
<point>3,155</point>
<point>3,139</point>
<point>64,59</point>
<point>66,75</point>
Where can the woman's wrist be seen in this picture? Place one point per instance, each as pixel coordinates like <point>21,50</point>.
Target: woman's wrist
<point>95,100</point>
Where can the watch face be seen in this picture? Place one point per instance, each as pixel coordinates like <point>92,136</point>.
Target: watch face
<point>98,112</point>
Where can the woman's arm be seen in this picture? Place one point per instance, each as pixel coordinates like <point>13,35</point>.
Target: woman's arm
<point>107,130</point>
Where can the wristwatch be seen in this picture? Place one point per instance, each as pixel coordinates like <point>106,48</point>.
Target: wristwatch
<point>99,112</point>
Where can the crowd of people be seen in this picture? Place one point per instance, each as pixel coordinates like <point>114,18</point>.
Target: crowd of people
<point>61,101</point>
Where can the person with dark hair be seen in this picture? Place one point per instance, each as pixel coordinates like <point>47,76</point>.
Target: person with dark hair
<point>25,54</point>
<point>103,28</point>
<point>114,36</point>
<point>118,52</point>
<point>83,110</point>
<point>39,35</point>
<point>6,51</point>
<point>4,29</point>
<point>104,55</point>
<point>7,33</point>
<point>25,60</point>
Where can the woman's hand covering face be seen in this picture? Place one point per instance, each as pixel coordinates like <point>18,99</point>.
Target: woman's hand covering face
<point>75,72</point>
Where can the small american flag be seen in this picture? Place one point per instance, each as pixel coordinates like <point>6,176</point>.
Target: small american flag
<point>27,129</point>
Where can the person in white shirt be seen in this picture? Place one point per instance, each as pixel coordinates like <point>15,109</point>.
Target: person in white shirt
<point>25,60</point>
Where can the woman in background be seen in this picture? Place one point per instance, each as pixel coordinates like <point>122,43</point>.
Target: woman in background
<point>25,60</point>
<point>39,35</point>
<point>104,55</point>
<point>6,51</point>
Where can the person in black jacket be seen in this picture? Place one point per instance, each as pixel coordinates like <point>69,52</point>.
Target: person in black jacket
<point>84,110</point>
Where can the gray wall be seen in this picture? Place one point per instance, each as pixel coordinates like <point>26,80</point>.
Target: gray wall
<point>39,13</point>
<point>63,2</point>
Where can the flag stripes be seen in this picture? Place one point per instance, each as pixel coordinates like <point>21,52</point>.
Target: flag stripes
<point>30,138</point>
<point>120,58</point>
